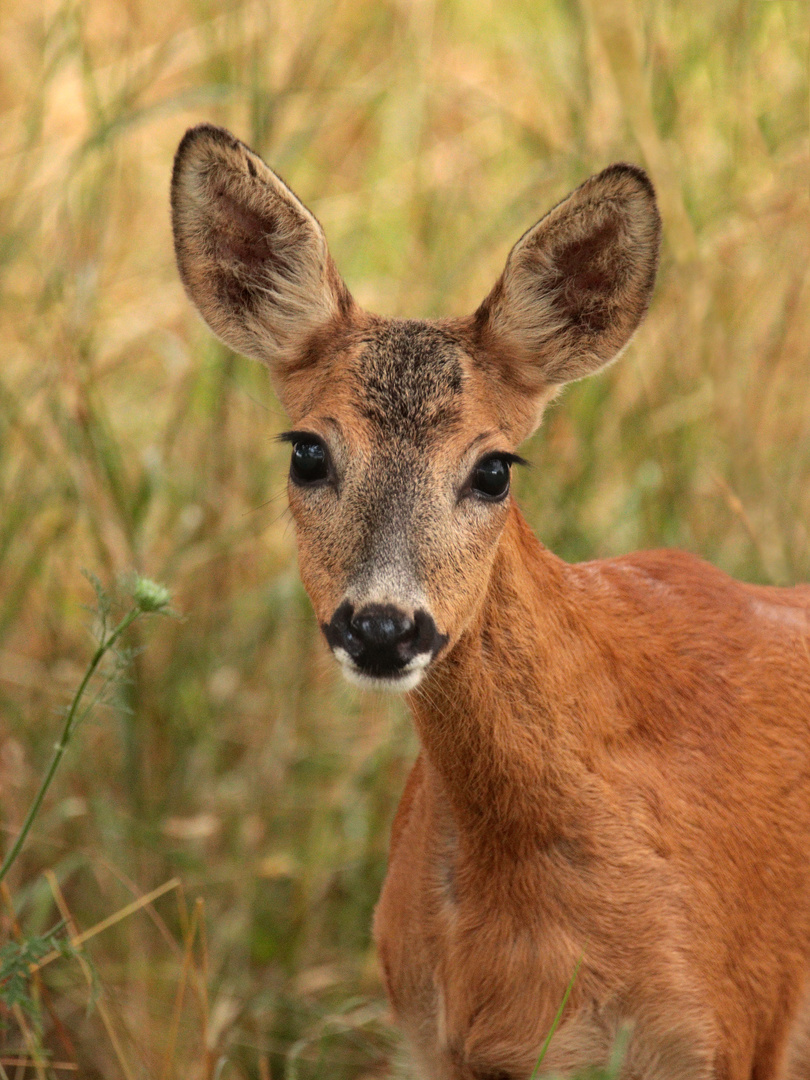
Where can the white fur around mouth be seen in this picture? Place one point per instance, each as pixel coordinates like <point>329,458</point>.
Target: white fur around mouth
<point>403,680</point>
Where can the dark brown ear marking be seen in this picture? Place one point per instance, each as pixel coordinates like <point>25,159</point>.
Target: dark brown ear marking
<point>584,301</point>
<point>578,283</point>
<point>253,259</point>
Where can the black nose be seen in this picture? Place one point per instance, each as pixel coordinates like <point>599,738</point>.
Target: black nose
<point>380,638</point>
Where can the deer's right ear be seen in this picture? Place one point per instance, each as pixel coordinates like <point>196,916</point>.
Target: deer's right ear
<point>253,259</point>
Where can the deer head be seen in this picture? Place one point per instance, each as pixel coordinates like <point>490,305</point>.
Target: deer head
<point>404,432</point>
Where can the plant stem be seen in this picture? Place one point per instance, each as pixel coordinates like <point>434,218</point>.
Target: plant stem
<point>557,1018</point>
<point>105,645</point>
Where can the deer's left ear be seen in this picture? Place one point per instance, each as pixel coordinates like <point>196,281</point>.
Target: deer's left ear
<point>252,257</point>
<point>577,284</point>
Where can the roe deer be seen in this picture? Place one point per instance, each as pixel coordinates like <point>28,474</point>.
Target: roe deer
<point>615,759</point>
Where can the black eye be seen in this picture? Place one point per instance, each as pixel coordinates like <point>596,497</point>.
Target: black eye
<point>308,463</point>
<point>490,477</point>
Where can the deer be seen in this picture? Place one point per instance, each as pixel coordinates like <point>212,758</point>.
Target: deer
<point>610,810</point>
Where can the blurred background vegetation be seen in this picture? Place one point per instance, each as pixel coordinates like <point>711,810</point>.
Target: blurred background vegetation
<point>426,135</point>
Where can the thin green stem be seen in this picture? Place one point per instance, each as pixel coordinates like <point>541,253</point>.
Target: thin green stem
<point>558,1017</point>
<point>105,645</point>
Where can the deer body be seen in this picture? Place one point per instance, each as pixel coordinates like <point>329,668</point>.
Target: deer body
<point>615,768</point>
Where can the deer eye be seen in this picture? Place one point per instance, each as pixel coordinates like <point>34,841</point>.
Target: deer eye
<point>490,477</point>
<point>309,462</point>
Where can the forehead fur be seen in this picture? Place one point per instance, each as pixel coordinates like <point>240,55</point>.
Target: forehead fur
<point>408,379</point>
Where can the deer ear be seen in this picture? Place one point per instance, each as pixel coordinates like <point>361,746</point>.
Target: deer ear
<point>577,284</point>
<point>253,259</point>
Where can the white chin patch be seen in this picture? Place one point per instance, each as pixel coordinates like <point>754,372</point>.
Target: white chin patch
<point>405,679</point>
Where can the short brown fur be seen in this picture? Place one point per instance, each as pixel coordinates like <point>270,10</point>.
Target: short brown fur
<point>615,765</point>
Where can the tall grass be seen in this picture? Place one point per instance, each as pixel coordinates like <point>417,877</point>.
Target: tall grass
<point>426,135</point>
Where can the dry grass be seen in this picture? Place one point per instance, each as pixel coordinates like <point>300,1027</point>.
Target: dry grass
<point>426,135</point>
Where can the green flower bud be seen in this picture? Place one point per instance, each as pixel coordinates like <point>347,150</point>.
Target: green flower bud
<point>149,596</point>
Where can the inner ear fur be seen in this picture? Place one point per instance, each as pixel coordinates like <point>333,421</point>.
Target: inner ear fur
<point>577,284</point>
<point>253,259</point>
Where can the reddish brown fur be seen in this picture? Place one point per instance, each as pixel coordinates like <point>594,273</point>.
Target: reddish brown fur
<point>615,766</point>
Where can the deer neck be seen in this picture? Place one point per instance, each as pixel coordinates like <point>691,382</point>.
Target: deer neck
<point>507,730</point>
